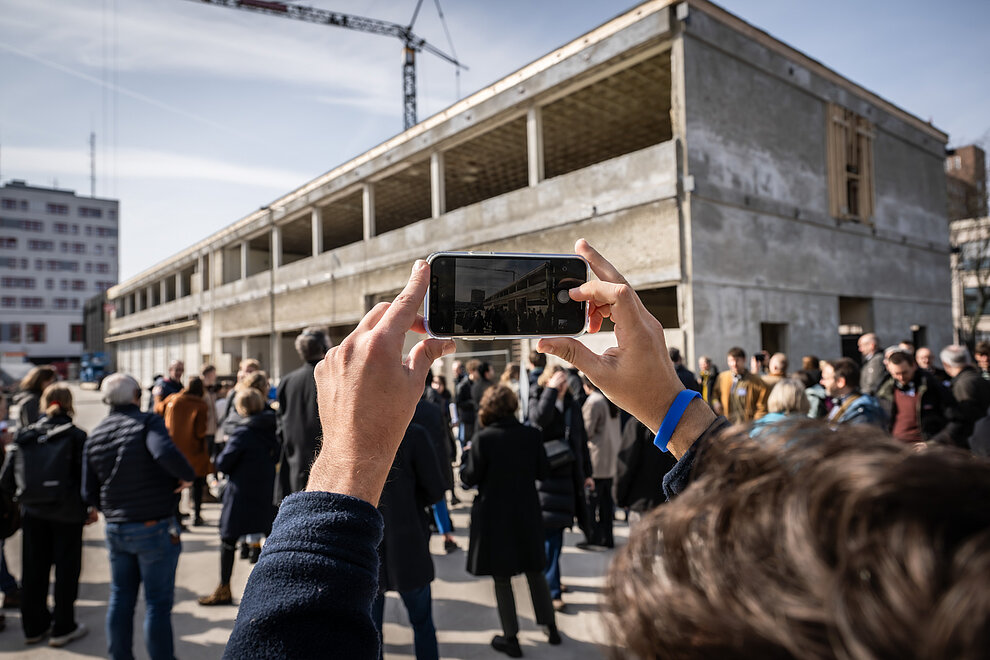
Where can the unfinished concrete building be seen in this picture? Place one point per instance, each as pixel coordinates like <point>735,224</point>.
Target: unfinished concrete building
<point>752,196</point>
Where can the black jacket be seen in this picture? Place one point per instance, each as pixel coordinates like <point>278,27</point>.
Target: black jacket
<point>131,467</point>
<point>249,460</point>
<point>299,427</point>
<point>504,461</point>
<point>467,412</point>
<point>429,416</point>
<point>933,403</point>
<point>413,484</point>
<point>562,492</point>
<point>641,467</point>
<point>688,379</point>
<point>972,398</point>
<point>71,509</point>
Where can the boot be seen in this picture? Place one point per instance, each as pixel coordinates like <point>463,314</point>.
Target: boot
<point>507,645</point>
<point>245,550</point>
<point>254,553</point>
<point>220,596</point>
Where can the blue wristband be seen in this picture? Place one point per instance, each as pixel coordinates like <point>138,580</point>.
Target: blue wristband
<point>673,417</point>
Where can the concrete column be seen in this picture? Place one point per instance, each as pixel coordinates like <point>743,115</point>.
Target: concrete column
<point>163,291</point>
<point>129,304</point>
<point>438,190</point>
<point>317,231</point>
<point>368,199</point>
<point>534,145</point>
<point>179,290</point>
<point>244,260</point>
<point>276,243</point>
<point>275,369</point>
<point>149,296</point>
<point>200,264</point>
<point>245,348</point>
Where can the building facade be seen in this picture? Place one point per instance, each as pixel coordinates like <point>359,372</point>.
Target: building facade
<point>57,249</point>
<point>752,196</point>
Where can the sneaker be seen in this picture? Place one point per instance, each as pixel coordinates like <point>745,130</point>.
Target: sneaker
<point>220,596</point>
<point>507,645</point>
<point>61,640</point>
<point>559,605</point>
<point>34,639</point>
<point>450,546</point>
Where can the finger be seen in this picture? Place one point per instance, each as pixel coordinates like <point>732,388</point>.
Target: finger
<point>425,353</point>
<point>573,351</point>
<point>597,292</point>
<point>600,266</point>
<point>372,318</point>
<point>419,325</point>
<point>401,314</point>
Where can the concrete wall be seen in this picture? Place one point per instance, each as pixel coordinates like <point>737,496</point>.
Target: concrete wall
<point>763,246</point>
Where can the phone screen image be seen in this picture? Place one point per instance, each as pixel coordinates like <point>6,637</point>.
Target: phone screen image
<point>505,295</point>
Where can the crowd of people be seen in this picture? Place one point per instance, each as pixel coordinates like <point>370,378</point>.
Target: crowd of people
<point>346,469</point>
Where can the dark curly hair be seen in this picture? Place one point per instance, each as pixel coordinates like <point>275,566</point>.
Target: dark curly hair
<point>498,402</point>
<point>814,545</point>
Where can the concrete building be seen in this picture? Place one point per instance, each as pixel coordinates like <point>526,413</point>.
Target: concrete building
<point>751,195</point>
<point>971,279</point>
<point>56,250</point>
<point>966,181</point>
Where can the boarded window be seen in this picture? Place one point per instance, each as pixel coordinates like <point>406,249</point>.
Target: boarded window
<point>850,164</point>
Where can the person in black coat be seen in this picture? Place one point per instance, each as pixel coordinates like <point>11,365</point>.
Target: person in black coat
<point>641,467</point>
<point>504,461</point>
<point>562,492</point>
<point>51,531</point>
<point>413,485</point>
<point>298,416</point>
<point>430,417</point>
<point>248,460</point>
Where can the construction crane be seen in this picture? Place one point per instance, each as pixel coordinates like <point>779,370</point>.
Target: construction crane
<point>411,44</point>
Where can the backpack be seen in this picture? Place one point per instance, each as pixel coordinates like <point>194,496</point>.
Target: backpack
<point>43,464</point>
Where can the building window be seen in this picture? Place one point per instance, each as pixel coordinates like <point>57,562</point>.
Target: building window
<point>112,214</point>
<point>850,164</point>
<point>102,268</point>
<point>113,250</point>
<point>61,227</point>
<point>10,332</point>
<point>32,303</point>
<point>17,282</point>
<point>49,284</point>
<point>46,246</point>
<point>78,285</point>
<point>10,204</point>
<point>35,333</point>
<point>89,267</point>
<point>87,212</point>
<point>106,232</point>
<point>8,243</point>
<point>97,249</point>
<point>23,225</point>
<point>56,209</point>
<point>76,332</point>
<point>971,302</point>
<point>8,301</point>
<point>75,303</point>
<point>60,303</point>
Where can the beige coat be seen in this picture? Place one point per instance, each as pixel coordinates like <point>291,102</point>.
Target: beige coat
<point>604,436</point>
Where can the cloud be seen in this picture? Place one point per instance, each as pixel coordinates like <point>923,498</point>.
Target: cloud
<point>149,164</point>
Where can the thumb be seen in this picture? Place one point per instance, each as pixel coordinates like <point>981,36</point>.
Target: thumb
<point>425,353</point>
<point>572,351</point>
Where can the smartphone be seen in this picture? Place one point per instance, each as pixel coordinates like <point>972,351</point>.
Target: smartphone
<point>501,295</point>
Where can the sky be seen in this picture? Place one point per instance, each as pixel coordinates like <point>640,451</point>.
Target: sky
<point>203,114</point>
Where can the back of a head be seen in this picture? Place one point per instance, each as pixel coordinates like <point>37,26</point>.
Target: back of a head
<point>248,401</point>
<point>56,398</point>
<point>472,366</point>
<point>675,355</point>
<point>787,396</point>
<point>120,390</point>
<point>498,402</point>
<point>955,356</point>
<point>195,386</point>
<point>982,348</point>
<point>257,380</point>
<point>537,359</point>
<point>826,545</point>
<point>312,344</point>
<point>37,379</point>
<point>810,363</point>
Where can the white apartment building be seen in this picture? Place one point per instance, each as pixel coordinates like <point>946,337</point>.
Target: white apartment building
<point>57,249</point>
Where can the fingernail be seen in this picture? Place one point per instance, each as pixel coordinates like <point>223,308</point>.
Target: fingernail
<point>419,265</point>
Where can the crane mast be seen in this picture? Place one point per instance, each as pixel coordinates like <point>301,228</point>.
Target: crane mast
<point>411,43</point>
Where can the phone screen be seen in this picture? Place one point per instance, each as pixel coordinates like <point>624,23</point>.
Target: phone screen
<point>473,295</point>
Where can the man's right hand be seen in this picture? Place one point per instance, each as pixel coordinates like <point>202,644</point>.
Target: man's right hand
<point>637,375</point>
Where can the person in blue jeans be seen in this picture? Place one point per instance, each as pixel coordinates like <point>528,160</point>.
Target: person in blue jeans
<point>133,473</point>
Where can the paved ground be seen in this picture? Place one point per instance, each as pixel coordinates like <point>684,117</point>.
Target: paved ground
<point>464,606</point>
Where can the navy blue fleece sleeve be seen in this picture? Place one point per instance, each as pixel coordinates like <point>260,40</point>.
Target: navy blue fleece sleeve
<point>310,593</point>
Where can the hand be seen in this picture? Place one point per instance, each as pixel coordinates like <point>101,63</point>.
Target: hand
<point>589,483</point>
<point>367,392</point>
<point>558,382</point>
<point>637,375</point>
<point>92,515</point>
<point>182,486</point>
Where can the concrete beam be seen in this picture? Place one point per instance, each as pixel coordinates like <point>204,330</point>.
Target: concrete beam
<point>317,220</point>
<point>534,145</point>
<point>438,188</point>
<point>368,201</point>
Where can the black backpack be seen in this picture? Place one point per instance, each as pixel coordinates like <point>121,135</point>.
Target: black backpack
<point>43,464</point>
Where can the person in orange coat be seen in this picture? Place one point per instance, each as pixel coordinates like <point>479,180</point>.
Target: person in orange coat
<point>186,414</point>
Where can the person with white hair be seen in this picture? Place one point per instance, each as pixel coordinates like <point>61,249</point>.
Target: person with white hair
<point>971,392</point>
<point>872,373</point>
<point>133,473</point>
